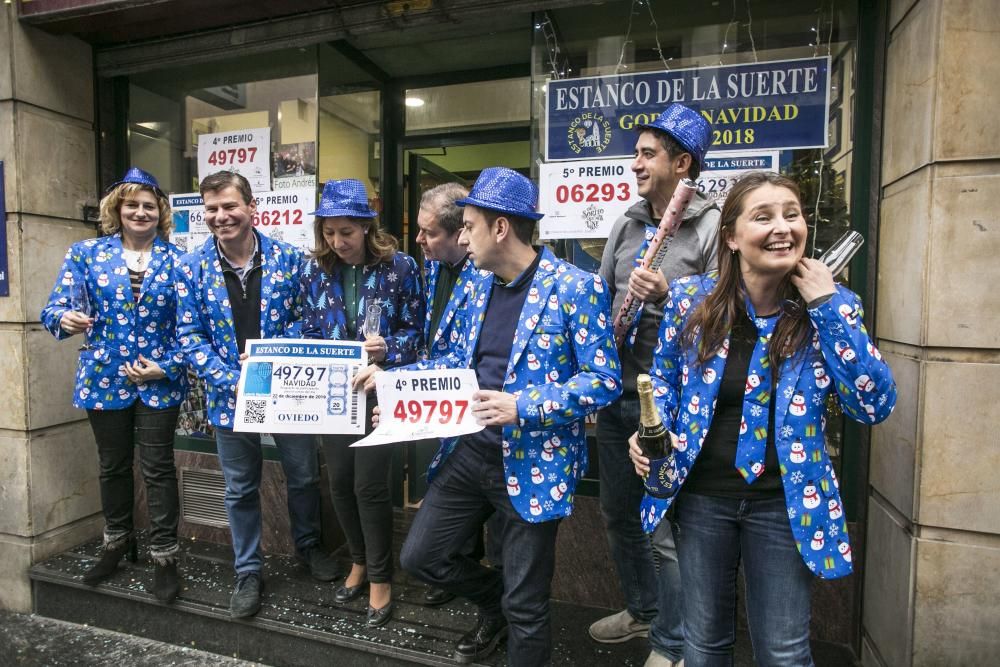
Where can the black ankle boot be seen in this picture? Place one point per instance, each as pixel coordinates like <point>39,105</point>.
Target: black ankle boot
<point>166,582</point>
<point>109,560</point>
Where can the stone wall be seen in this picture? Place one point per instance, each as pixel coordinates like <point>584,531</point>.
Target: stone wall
<point>48,463</point>
<point>930,589</point>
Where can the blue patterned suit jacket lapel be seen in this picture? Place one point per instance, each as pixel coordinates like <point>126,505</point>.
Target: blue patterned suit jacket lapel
<point>219,308</point>
<point>156,259</point>
<point>431,272</point>
<point>543,282</point>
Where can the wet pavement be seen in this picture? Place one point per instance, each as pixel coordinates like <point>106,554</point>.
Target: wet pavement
<point>34,641</point>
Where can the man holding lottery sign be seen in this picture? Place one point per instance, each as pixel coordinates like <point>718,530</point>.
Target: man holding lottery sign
<point>535,392</point>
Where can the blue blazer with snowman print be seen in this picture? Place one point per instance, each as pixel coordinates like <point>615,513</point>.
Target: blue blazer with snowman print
<point>440,340</point>
<point>123,329</point>
<point>393,285</point>
<point>563,366</point>
<point>841,358</point>
<point>205,317</point>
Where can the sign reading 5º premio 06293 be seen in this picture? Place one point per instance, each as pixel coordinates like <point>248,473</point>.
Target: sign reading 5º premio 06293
<point>756,106</point>
<point>290,385</point>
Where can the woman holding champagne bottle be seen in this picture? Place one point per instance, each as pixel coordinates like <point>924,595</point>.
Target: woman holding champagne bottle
<point>118,292</point>
<point>357,286</point>
<point>746,360</point>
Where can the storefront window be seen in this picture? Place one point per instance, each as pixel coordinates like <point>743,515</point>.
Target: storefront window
<point>256,115</point>
<point>481,105</point>
<point>756,71</point>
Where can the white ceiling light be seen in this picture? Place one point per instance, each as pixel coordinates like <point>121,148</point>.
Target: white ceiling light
<point>414,102</point>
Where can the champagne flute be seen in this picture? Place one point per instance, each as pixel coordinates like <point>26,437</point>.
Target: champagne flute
<point>373,321</point>
<point>79,301</point>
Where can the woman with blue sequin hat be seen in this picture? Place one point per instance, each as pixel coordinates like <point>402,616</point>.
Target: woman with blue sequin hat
<point>358,286</point>
<point>117,290</point>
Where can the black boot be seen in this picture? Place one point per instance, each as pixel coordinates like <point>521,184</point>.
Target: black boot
<point>110,557</point>
<point>481,640</point>
<point>166,582</point>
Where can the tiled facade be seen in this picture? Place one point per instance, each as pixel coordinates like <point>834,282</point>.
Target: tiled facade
<point>933,527</point>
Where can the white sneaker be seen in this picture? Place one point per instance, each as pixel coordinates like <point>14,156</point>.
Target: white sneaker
<point>657,660</point>
<point>618,628</point>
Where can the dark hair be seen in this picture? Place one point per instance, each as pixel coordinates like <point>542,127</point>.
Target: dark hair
<point>380,245</point>
<point>674,149</point>
<point>221,180</point>
<point>524,228</point>
<point>440,201</point>
<point>713,318</point>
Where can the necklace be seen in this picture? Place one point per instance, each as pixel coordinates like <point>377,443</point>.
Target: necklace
<point>135,260</point>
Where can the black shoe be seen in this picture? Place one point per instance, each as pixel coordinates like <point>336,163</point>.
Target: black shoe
<point>246,596</point>
<point>166,583</point>
<point>435,597</point>
<point>108,563</point>
<point>379,617</point>
<point>345,594</point>
<point>481,640</point>
<point>322,566</point>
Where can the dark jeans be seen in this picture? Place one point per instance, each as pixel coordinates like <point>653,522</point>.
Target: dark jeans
<point>649,597</point>
<point>466,491</point>
<point>713,535</point>
<point>117,432</point>
<point>359,488</point>
<point>242,464</point>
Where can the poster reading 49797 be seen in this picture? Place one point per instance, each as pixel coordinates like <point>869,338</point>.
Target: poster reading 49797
<point>301,386</point>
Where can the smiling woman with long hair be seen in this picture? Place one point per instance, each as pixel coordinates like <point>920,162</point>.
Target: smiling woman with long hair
<point>357,286</point>
<point>746,360</point>
<point>131,379</point>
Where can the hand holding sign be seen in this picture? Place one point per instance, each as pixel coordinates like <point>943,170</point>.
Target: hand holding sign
<point>423,404</point>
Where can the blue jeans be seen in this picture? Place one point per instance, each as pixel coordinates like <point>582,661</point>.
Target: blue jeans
<point>649,598</point>
<point>468,489</point>
<point>713,534</point>
<point>242,463</point>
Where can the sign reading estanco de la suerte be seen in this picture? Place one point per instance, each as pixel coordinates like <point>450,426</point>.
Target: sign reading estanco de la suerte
<point>782,104</point>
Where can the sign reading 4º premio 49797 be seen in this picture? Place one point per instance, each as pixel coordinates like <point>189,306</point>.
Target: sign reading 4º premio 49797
<point>756,106</point>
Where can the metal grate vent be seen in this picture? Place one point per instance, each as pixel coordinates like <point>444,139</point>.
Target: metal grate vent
<point>203,494</point>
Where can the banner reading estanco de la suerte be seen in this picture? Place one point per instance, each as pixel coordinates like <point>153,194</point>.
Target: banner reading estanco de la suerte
<point>781,104</point>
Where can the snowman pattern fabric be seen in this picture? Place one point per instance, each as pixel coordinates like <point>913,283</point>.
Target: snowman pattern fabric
<point>438,342</point>
<point>205,316</point>
<point>123,328</point>
<point>563,366</point>
<point>839,358</point>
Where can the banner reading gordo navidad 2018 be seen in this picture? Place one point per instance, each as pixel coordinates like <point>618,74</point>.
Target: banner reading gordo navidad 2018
<point>757,106</point>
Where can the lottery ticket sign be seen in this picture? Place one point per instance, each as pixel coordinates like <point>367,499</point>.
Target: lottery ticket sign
<point>415,405</point>
<point>582,199</point>
<point>282,215</point>
<point>247,152</point>
<point>301,386</point>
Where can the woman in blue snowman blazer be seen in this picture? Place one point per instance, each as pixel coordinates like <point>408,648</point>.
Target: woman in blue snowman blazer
<point>355,266</point>
<point>746,361</point>
<point>131,378</point>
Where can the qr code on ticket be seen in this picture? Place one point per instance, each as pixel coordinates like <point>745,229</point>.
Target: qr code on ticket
<point>256,412</point>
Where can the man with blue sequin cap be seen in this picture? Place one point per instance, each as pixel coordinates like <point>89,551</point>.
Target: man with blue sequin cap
<point>535,393</point>
<point>669,148</point>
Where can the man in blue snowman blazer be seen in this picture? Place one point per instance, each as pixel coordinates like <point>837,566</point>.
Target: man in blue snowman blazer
<point>535,392</point>
<point>240,285</point>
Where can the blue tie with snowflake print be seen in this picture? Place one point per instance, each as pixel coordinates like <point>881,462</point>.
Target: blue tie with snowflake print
<point>752,444</point>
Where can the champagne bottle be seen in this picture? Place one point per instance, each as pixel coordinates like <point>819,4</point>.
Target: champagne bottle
<point>653,437</point>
